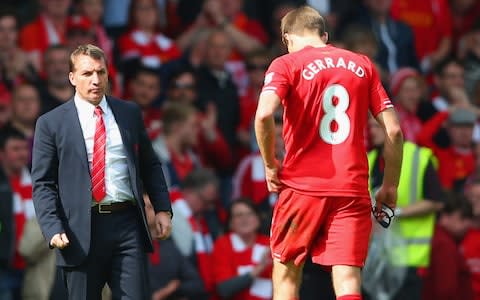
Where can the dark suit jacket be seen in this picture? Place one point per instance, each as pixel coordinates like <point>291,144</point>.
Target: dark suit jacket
<point>61,176</point>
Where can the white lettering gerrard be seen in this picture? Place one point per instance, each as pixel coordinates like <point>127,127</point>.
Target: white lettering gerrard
<point>320,64</point>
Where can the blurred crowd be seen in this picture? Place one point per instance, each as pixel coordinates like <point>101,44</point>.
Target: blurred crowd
<point>196,68</point>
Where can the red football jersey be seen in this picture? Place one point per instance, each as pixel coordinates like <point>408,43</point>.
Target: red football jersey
<point>326,93</point>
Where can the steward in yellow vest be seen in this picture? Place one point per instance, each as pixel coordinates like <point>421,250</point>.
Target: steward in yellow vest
<point>419,195</point>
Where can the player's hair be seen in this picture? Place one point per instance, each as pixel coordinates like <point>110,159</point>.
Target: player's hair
<point>175,113</point>
<point>89,50</point>
<point>303,19</point>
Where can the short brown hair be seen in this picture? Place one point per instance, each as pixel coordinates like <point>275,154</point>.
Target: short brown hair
<point>175,113</point>
<point>303,19</point>
<point>89,50</point>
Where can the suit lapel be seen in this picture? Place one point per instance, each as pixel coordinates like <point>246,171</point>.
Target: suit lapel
<point>122,118</point>
<point>75,133</point>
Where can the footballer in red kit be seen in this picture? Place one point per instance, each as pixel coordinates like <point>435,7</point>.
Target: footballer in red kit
<point>324,147</point>
<point>324,204</point>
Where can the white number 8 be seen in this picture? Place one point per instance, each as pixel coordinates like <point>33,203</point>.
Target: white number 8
<point>335,113</point>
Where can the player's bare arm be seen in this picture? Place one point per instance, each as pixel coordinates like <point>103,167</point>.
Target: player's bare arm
<point>393,154</point>
<point>265,133</point>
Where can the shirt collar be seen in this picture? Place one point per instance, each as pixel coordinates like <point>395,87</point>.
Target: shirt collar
<point>85,107</point>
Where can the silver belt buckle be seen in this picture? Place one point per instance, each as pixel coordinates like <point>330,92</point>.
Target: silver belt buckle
<point>101,211</point>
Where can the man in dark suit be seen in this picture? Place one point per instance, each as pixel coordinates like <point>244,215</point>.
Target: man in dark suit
<point>91,161</point>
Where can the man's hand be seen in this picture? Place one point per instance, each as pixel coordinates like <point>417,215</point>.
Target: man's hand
<point>213,8</point>
<point>387,195</point>
<point>163,225</point>
<point>271,174</point>
<point>59,241</point>
<point>263,264</point>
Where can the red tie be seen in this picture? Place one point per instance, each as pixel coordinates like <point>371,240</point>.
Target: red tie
<point>98,161</point>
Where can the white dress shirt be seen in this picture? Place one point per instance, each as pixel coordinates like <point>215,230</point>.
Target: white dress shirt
<point>117,180</point>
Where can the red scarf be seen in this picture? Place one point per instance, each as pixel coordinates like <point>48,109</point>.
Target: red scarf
<point>233,258</point>
<point>203,242</point>
<point>23,210</point>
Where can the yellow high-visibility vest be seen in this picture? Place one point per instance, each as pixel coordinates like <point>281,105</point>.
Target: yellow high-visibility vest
<point>417,231</point>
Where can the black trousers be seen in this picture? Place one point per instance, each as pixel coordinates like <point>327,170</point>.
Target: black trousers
<point>116,257</point>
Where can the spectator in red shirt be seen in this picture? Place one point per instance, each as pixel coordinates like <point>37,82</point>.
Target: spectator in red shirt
<point>94,10</point>
<point>245,34</point>
<point>15,65</point>
<point>249,178</point>
<point>457,161</point>
<point>145,88</point>
<point>449,74</point>
<point>408,90</point>
<point>182,88</point>
<point>47,29</point>
<point>188,143</point>
<point>192,235</point>
<point>431,22</point>
<point>56,88</point>
<point>464,15</point>
<point>174,147</point>
<point>14,155</point>
<point>25,109</point>
<point>257,64</point>
<point>144,43</point>
<point>243,263</point>
<point>448,277</point>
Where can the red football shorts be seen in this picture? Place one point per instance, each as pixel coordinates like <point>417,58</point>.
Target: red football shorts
<point>334,230</point>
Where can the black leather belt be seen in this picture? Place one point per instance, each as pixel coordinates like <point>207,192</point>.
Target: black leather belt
<point>112,207</point>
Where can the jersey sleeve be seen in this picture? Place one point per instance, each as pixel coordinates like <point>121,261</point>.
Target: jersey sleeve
<point>276,78</point>
<point>379,100</point>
